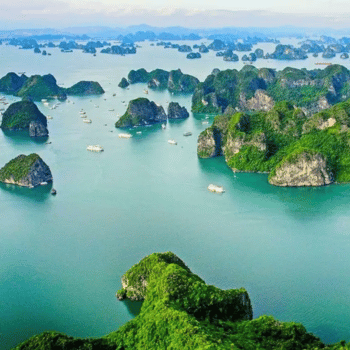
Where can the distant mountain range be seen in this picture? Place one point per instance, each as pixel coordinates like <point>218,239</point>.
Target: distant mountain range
<point>100,32</point>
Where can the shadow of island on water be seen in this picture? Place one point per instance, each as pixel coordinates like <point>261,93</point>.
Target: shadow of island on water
<point>134,307</point>
<point>22,137</point>
<point>39,193</point>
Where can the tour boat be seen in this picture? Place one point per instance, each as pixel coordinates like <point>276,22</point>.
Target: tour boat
<point>94,148</point>
<point>87,121</point>
<point>172,142</point>
<point>53,192</point>
<point>145,91</point>
<point>205,122</point>
<point>217,189</point>
<point>188,133</point>
<point>49,117</point>
<point>139,132</point>
<point>44,183</point>
<point>124,135</point>
<point>163,126</point>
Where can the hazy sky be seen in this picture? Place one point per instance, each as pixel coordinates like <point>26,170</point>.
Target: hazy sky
<point>190,13</point>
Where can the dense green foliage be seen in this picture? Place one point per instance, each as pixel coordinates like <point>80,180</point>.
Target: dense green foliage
<point>181,312</point>
<point>38,87</point>
<point>141,111</point>
<point>18,167</point>
<point>11,83</point>
<point>85,88</point>
<point>262,141</point>
<point>20,114</point>
<point>300,87</point>
<point>174,81</point>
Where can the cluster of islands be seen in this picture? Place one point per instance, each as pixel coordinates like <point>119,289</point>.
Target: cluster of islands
<point>226,47</point>
<point>180,311</point>
<point>292,124</point>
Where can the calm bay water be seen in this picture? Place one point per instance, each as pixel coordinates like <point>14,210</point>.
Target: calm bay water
<point>61,258</point>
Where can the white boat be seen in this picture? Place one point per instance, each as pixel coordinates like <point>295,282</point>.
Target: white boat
<point>124,135</point>
<point>49,117</point>
<point>163,126</point>
<point>94,148</point>
<point>111,110</point>
<point>87,121</point>
<point>46,104</point>
<point>188,133</point>
<point>44,100</point>
<point>205,122</point>
<point>217,189</point>
<point>145,91</point>
<point>44,183</point>
<point>139,132</point>
<point>172,142</point>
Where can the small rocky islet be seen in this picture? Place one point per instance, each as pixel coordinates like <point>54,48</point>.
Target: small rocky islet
<point>26,171</point>
<point>142,111</point>
<point>180,311</point>
<point>25,116</point>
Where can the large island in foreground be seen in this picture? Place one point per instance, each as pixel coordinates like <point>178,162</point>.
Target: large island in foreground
<point>180,311</point>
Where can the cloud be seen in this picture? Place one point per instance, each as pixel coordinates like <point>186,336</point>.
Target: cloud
<point>62,13</point>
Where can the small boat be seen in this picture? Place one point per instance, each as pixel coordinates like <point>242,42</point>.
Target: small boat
<point>205,122</point>
<point>172,142</point>
<point>114,95</point>
<point>163,126</point>
<point>96,106</point>
<point>48,143</point>
<point>111,110</point>
<point>46,104</point>
<point>49,117</point>
<point>53,192</point>
<point>44,183</point>
<point>217,189</point>
<point>138,132</point>
<point>94,148</point>
<point>188,133</point>
<point>145,91</point>
<point>44,100</point>
<point>124,135</point>
<point>88,121</point>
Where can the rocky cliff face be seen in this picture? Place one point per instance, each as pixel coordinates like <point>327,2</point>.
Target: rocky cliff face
<point>175,111</point>
<point>260,102</point>
<point>305,169</point>
<point>85,88</point>
<point>37,129</point>
<point>26,171</point>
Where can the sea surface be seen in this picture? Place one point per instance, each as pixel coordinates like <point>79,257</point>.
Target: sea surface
<point>62,257</point>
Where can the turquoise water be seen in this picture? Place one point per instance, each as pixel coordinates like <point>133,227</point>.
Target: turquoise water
<point>61,258</point>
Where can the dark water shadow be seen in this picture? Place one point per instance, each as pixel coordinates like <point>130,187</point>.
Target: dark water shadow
<point>38,194</point>
<point>134,307</point>
<point>22,137</point>
<point>177,122</point>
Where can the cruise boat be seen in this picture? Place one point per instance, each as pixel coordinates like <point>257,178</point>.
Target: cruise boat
<point>87,121</point>
<point>188,133</point>
<point>44,100</point>
<point>124,135</point>
<point>172,142</point>
<point>139,132</point>
<point>94,148</point>
<point>217,189</point>
<point>49,117</point>
<point>205,122</point>
<point>163,126</point>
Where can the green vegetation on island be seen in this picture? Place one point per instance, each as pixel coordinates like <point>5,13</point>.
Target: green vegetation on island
<point>174,81</point>
<point>28,171</point>
<point>308,151</point>
<point>180,311</point>
<point>24,115</point>
<point>85,88</point>
<point>259,89</point>
<point>38,87</point>
<point>140,112</point>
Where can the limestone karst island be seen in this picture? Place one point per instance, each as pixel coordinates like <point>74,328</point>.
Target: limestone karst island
<point>175,176</point>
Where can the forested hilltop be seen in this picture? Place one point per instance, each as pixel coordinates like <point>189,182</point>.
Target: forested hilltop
<point>260,89</point>
<point>180,311</point>
<point>295,149</point>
